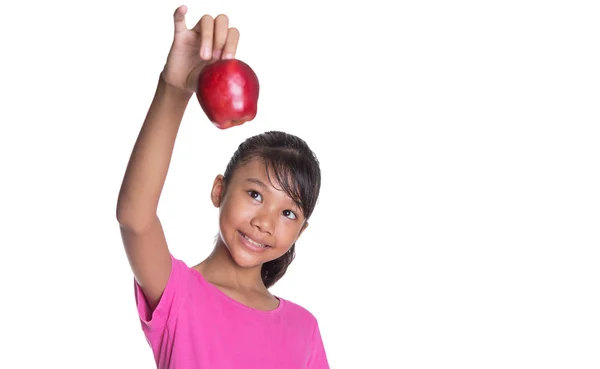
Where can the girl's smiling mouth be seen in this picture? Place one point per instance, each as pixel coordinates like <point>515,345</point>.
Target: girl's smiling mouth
<point>251,243</point>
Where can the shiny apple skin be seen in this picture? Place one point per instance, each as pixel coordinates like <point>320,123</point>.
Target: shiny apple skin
<point>228,91</point>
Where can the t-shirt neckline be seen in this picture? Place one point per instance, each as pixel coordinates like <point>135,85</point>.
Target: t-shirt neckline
<point>236,302</point>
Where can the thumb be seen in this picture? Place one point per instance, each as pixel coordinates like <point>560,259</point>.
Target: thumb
<point>179,18</point>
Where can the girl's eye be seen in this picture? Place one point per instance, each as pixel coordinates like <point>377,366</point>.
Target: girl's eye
<point>290,214</point>
<point>255,195</point>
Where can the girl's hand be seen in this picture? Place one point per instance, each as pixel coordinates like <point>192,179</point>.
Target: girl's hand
<point>193,49</point>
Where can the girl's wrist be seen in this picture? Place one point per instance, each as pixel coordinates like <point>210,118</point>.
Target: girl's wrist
<point>172,90</point>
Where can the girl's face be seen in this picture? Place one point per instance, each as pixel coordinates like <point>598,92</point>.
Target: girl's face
<point>258,222</point>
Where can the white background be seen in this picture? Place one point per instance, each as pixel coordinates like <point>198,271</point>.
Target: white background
<point>458,225</point>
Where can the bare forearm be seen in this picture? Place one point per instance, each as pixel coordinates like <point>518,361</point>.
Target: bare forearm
<point>151,156</point>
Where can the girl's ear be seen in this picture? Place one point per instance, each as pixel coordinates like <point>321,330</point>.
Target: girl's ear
<point>216,195</point>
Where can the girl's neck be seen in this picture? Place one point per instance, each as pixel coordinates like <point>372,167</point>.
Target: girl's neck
<point>220,268</point>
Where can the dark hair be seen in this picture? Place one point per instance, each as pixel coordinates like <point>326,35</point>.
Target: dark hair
<point>296,169</point>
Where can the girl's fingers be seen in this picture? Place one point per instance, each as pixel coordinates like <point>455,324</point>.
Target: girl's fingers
<point>233,36</point>
<point>205,28</point>
<point>179,18</point>
<point>220,35</point>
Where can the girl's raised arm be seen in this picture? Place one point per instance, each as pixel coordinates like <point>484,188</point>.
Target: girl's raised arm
<point>141,230</point>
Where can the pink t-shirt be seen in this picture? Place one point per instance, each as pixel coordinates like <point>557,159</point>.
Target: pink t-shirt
<point>196,325</point>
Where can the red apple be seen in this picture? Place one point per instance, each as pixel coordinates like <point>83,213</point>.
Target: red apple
<point>228,93</point>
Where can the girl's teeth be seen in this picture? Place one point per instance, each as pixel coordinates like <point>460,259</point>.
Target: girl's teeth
<point>254,243</point>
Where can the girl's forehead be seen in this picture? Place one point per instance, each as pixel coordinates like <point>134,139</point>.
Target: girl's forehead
<point>255,167</point>
<point>253,171</point>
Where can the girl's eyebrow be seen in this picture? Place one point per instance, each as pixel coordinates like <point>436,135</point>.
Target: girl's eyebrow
<point>258,182</point>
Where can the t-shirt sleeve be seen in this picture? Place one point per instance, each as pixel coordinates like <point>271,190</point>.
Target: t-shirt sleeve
<point>318,357</point>
<point>171,299</point>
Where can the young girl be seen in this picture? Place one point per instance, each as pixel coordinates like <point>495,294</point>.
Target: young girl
<point>219,313</point>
